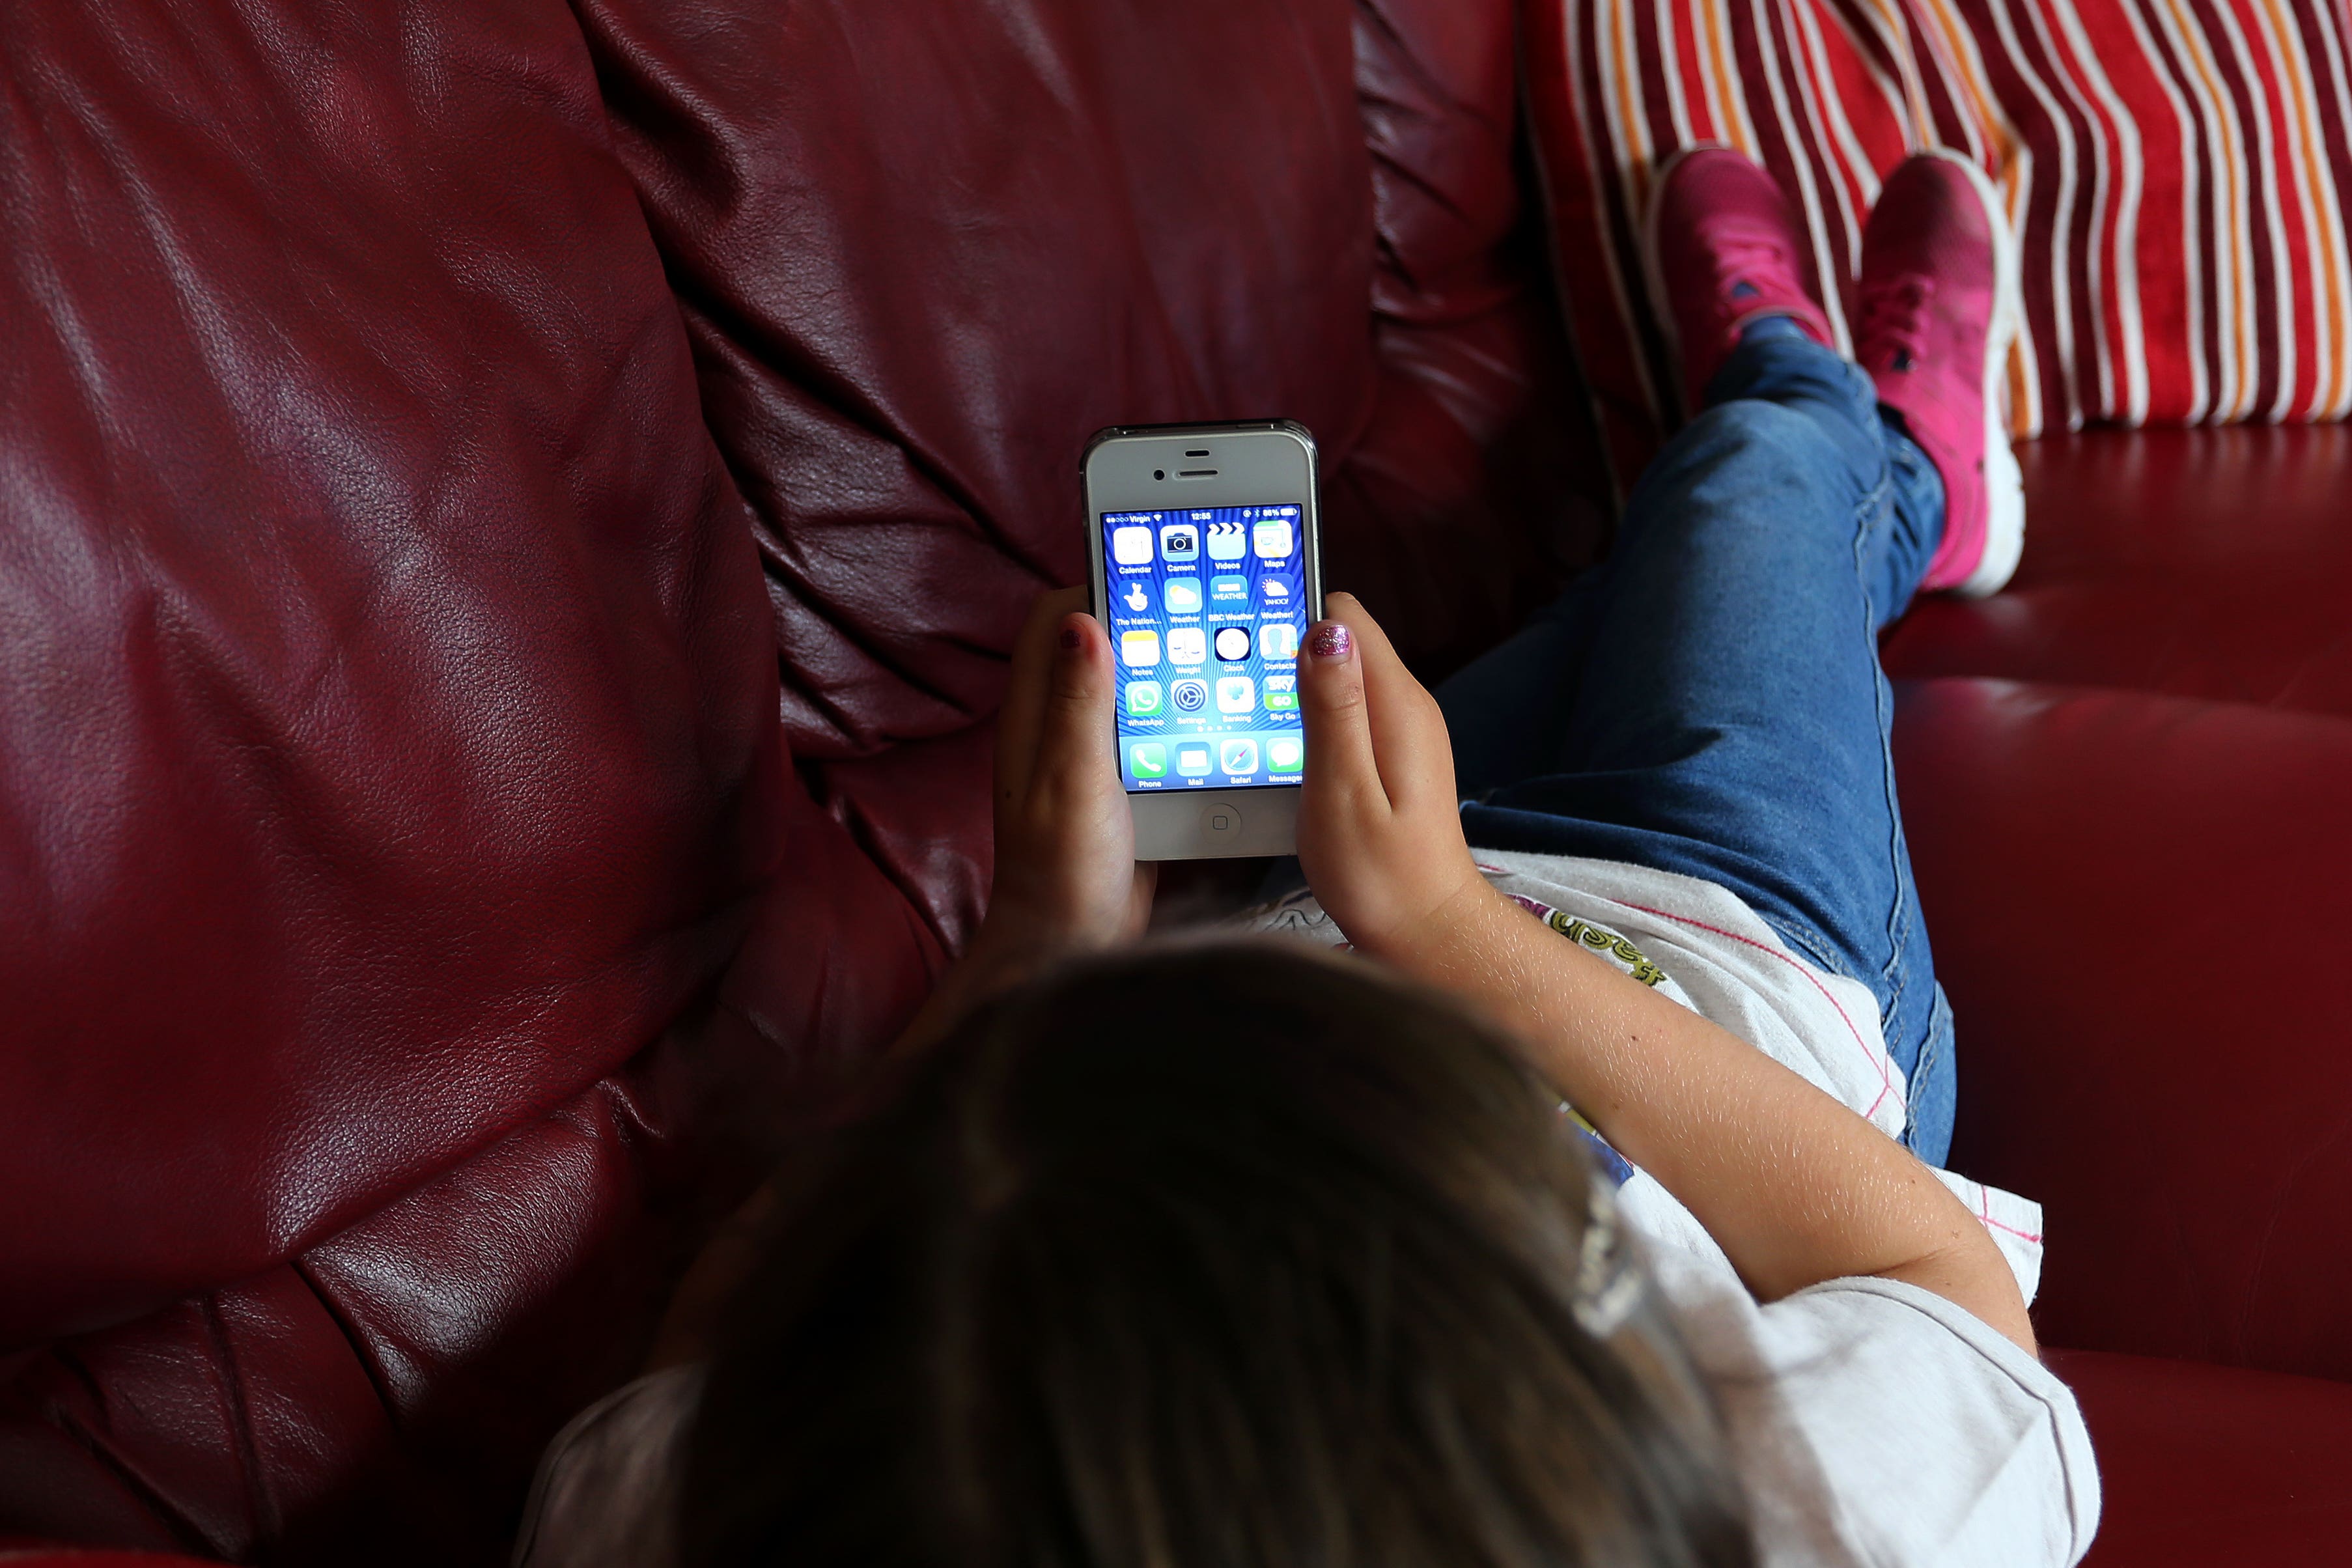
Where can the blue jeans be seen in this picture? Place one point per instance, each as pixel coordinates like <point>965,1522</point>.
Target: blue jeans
<point>1710,701</point>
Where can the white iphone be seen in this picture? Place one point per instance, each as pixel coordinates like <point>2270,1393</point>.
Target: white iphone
<point>1206,575</point>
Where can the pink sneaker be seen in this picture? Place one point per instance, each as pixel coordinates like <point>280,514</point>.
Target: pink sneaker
<point>1721,249</point>
<point>1939,310</point>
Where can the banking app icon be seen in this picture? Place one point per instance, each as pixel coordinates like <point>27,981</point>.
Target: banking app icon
<point>1140,650</point>
<point>1281,694</point>
<point>1284,754</point>
<point>1238,756</point>
<point>1143,698</point>
<point>1181,595</point>
<point>1233,644</point>
<point>1277,639</point>
<point>1229,590</point>
<point>1135,598</point>
<point>1187,645</point>
<point>1180,544</point>
<point>1227,540</point>
<point>1272,539</point>
<point>1192,759</point>
<point>1131,546</point>
<point>1148,759</point>
<point>1236,694</point>
<point>1188,696</point>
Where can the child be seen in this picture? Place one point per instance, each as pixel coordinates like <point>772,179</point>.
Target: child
<point>1236,1255</point>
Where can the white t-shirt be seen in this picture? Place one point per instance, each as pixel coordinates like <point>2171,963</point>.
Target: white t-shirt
<point>1872,1421</point>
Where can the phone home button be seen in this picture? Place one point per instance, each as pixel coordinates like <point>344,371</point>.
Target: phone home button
<point>1221,823</point>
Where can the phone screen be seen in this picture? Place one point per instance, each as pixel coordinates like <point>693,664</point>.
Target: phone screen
<point>1206,605</point>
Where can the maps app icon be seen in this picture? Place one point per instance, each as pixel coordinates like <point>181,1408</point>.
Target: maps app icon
<point>1228,541</point>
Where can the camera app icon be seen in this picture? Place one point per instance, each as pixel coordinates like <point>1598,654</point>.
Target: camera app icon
<point>1180,544</point>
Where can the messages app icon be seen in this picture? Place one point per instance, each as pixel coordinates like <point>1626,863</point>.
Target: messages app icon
<point>1286,755</point>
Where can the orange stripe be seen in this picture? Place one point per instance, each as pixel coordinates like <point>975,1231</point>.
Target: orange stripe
<point>2314,147</point>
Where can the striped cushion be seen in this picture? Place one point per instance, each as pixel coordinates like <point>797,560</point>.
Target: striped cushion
<point>2179,169</point>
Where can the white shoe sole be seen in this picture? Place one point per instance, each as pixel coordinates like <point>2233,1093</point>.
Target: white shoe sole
<point>2004,541</point>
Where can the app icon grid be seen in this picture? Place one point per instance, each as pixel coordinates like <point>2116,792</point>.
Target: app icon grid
<point>1194,710</point>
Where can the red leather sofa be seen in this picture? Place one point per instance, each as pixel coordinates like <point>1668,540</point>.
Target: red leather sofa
<point>510,520</point>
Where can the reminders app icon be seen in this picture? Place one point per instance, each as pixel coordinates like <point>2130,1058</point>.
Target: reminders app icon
<point>1131,546</point>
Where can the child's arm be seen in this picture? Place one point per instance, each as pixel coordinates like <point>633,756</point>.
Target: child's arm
<point>1795,1187</point>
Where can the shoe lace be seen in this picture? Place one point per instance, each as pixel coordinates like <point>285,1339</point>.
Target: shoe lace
<point>1894,317</point>
<point>1737,257</point>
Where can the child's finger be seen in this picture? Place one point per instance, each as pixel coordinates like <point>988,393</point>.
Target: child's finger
<point>1074,723</point>
<point>1017,722</point>
<point>1410,745</point>
<point>1341,771</point>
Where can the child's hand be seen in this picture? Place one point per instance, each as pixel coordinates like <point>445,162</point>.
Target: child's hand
<point>1380,830</point>
<point>1067,876</point>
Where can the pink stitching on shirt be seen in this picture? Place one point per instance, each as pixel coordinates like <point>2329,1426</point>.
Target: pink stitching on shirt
<point>1885,1075</point>
<point>1984,1217</point>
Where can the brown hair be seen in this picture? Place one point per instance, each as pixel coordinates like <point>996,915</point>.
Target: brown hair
<point>1230,1255</point>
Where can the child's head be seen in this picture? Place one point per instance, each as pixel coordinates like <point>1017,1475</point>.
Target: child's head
<point>1228,1254</point>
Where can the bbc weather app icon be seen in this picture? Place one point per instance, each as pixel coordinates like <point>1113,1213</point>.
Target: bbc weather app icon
<point>1238,756</point>
<point>1149,759</point>
<point>1229,590</point>
<point>1233,642</point>
<point>1236,694</point>
<point>1181,595</point>
<point>1131,546</point>
<point>1187,645</point>
<point>1272,538</point>
<point>1192,759</point>
<point>1180,544</point>
<point>1188,696</point>
<point>1227,540</point>
<point>1286,755</point>
<point>1140,650</point>
<point>1278,640</point>
<point>1143,698</point>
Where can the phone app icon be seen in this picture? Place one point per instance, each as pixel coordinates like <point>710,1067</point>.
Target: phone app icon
<point>1181,595</point>
<point>1229,590</point>
<point>1272,539</point>
<point>1286,755</point>
<point>1273,590</point>
<point>1281,694</point>
<point>1192,759</point>
<point>1236,694</point>
<point>1238,756</point>
<point>1187,645</point>
<point>1227,541</point>
<point>1135,598</point>
<point>1140,650</point>
<point>1180,544</point>
<point>1277,639</point>
<point>1131,546</point>
<point>1143,698</point>
<point>1233,642</point>
<point>1188,696</point>
<point>1148,759</point>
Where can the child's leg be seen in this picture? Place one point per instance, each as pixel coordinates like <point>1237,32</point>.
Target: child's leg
<point>1710,701</point>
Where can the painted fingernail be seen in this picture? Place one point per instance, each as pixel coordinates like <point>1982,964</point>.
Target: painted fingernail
<point>1330,640</point>
<point>1070,639</point>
